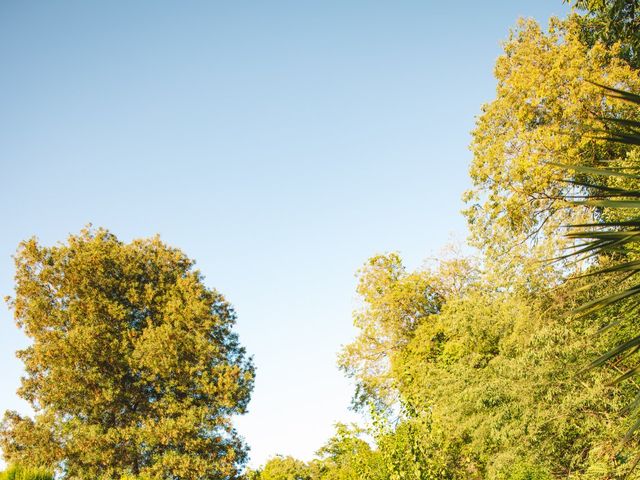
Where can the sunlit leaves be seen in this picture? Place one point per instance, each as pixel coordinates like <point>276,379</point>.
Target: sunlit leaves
<point>133,366</point>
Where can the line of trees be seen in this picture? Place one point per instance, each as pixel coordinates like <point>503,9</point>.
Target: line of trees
<point>469,369</point>
<point>475,368</point>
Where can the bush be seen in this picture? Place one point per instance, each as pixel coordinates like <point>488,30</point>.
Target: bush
<point>16,472</point>
<point>529,472</point>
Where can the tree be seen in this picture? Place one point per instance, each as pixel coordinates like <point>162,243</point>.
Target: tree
<point>282,468</point>
<point>493,376</point>
<point>612,21</point>
<point>486,383</point>
<point>346,456</point>
<point>543,107</point>
<point>17,472</point>
<point>549,112</point>
<point>133,368</point>
<point>394,304</point>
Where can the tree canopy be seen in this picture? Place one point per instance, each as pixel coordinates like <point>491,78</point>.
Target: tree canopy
<point>544,106</point>
<point>610,22</point>
<point>475,369</point>
<point>133,366</point>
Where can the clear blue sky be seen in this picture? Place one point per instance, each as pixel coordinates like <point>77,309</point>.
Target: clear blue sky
<point>279,143</point>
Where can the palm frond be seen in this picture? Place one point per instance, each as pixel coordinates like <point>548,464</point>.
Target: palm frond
<point>614,239</point>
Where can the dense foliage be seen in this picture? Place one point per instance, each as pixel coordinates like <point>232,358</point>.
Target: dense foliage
<point>17,472</point>
<point>470,369</point>
<point>133,366</point>
<point>475,369</point>
<point>612,21</point>
<point>542,113</point>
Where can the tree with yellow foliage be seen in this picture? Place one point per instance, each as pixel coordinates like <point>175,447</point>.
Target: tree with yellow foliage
<point>133,368</point>
<point>544,105</point>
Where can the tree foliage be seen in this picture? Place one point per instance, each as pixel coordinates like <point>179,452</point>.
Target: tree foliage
<point>488,386</point>
<point>281,468</point>
<point>17,472</point>
<point>345,456</point>
<point>133,366</point>
<point>394,303</point>
<point>483,378</point>
<point>610,22</point>
<point>469,369</point>
<point>543,106</point>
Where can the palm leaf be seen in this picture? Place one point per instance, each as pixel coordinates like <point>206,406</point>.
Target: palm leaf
<point>609,237</point>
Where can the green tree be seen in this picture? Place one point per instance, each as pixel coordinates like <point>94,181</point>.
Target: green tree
<point>282,468</point>
<point>17,472</point>
<point>394,303</point>
<point>487,383</point>
<point>612,21</point>
<point>133,368</point>
<point>347,456</point>
<point>543,107</point>
<point>495,376</point>
<point>547,112</point>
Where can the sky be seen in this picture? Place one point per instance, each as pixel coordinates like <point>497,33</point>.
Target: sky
<point>280,144</point>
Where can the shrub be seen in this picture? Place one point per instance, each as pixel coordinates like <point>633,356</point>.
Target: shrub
<point>17,472</point>
<point>529,472</point>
